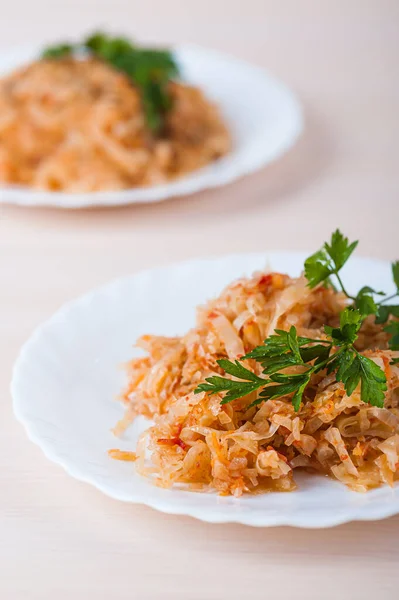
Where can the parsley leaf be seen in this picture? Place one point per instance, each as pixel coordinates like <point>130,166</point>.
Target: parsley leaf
<point>58,51</point>
<point>274,345</point>
<point>286,384</point>
<point>384,311</point>
<point>297,397</point>
<point>278,363</point>
<point>348,371</point>
<point>285,349</point>
<point>366,304</point>
<point>317,351</point>
<point>107,47</point>
<point>235,389</point>
<point>293,343</point>
<point>329,260</point>
<point>365,301</point>
<point>339,249</point>
<point>395,274</point>
<point>238,370</point>
<point>373,381</point>
<point>350,322</point>
<point>354,368</point>
<point>318,268</point>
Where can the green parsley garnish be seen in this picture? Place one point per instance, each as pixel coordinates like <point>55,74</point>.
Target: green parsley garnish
<point>336,353</point>
<point>329,260</point>
<point>150,70</point>
<point>59,51</point>
<point>326,264</point>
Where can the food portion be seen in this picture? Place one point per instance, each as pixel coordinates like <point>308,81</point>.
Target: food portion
<point>278,374</point>
<point>104,115</point>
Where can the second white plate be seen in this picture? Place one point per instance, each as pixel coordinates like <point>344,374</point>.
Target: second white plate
<point>66,378</point>
<point>263,115</point>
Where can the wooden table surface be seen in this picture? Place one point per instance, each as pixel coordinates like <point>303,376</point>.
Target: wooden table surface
<point>62,539</point>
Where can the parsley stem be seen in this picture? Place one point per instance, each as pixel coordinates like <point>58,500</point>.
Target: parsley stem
<point>316,341</point>
<point>323,364</point>
<point>343,287</point>
<point>387,299</point>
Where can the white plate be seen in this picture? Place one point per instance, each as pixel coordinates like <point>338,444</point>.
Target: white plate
<point>263,116</point>
<point>67,376</point>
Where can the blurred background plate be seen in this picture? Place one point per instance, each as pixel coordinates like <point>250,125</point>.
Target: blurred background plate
<point>263,115</point>
<point>67,377</point>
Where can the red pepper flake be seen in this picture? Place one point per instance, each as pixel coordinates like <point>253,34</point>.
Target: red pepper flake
<point>212,315</point>
<point>166,441</point>
<point>266,279</point>
<point>182,445</point>
<point>172,442</point>
<point>178,430</point>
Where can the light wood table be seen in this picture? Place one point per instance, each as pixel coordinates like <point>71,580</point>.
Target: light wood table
<point>63,539</point>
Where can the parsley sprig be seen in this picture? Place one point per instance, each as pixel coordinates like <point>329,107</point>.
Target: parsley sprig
<point>325,265</point>
<point>289,361</point>
<point>149,69</point>
<point>286,350</point>
<point>329,261</point>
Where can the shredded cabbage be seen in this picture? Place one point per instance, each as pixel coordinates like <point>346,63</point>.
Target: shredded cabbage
<point>235,448</point>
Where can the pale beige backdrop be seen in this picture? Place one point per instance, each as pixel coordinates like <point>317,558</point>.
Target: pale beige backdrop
<point>60,539</point>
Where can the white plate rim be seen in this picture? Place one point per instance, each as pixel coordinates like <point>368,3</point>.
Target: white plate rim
<point>370,512</point>
<point>207,178</point>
